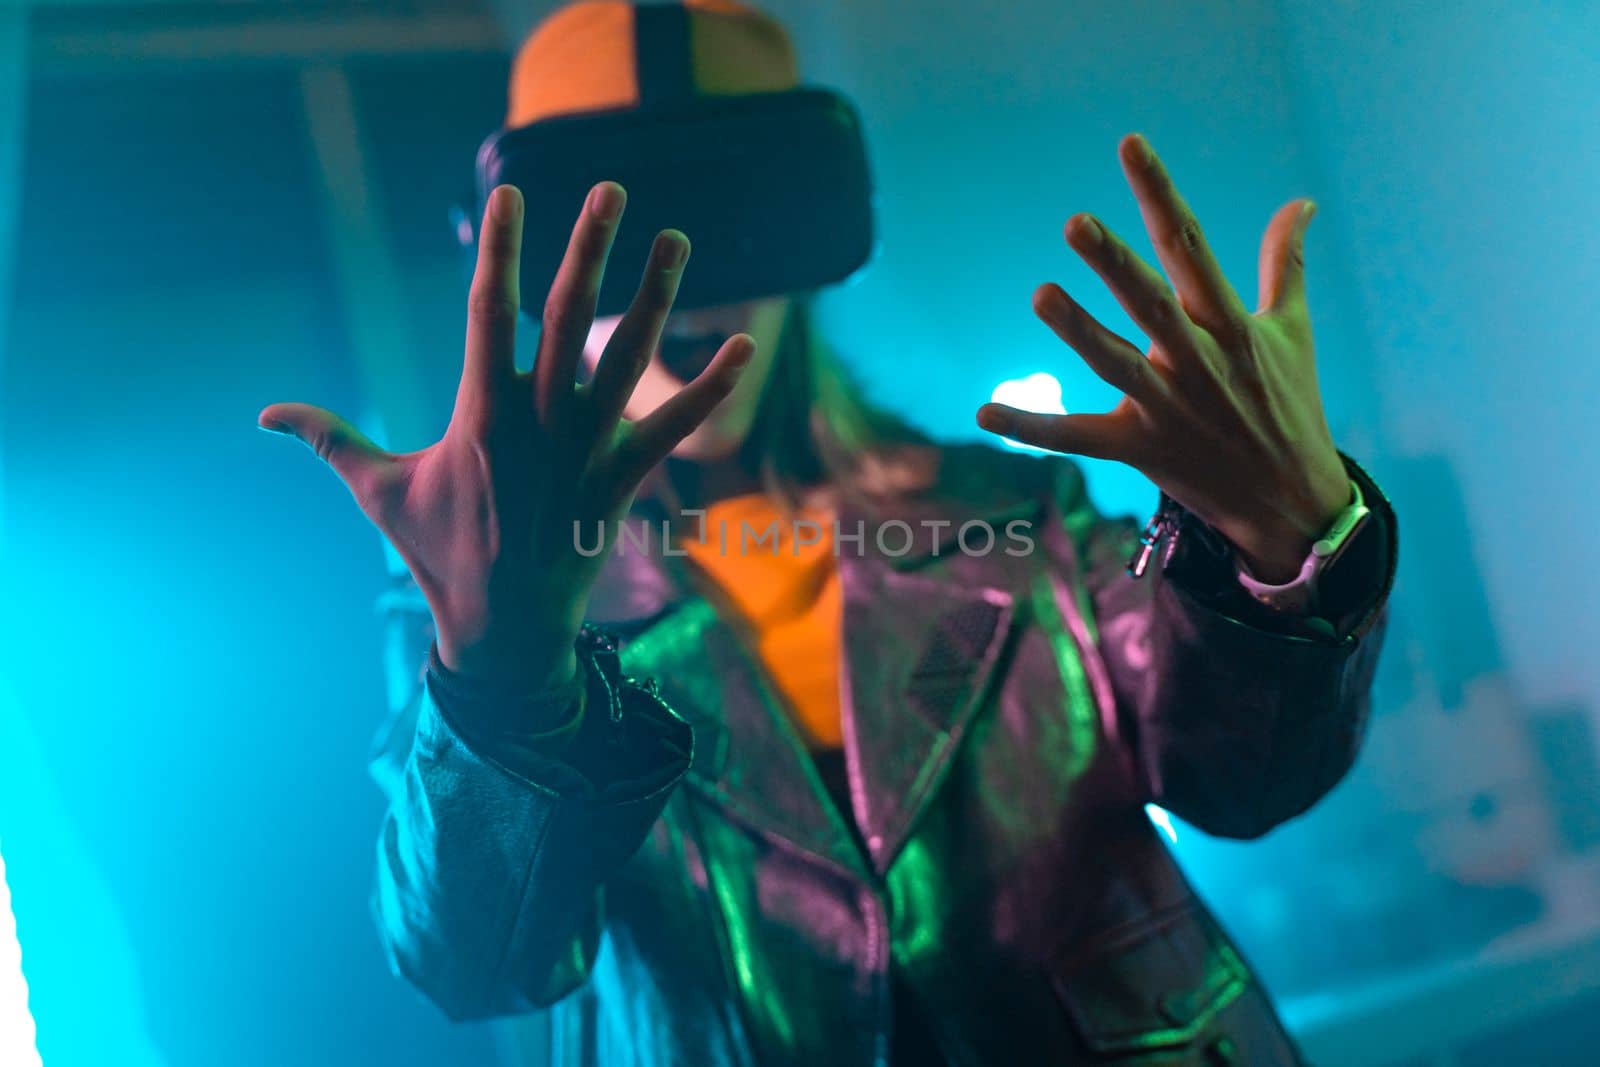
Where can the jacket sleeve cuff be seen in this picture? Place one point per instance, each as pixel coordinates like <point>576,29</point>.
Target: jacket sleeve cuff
<point>1202,563</point>
<point>601,738</point>
<point>486,709</point>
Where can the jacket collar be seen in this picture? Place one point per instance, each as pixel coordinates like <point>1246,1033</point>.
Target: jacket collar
<point>923,629</point>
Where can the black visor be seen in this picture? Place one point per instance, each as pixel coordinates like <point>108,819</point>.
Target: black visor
<point>772,190</point>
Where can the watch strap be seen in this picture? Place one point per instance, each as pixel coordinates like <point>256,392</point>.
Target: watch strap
<point>1299,595</point>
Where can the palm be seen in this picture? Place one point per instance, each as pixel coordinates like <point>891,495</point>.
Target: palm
<point>1223,412</point>
<point>484,518</point>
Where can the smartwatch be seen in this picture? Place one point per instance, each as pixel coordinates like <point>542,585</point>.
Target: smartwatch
<point>1299,595</point>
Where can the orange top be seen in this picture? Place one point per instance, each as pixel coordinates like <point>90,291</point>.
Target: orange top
<point>787,590</point>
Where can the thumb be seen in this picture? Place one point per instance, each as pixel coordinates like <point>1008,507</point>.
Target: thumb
<point>353,457</point>
<point>1283,257</point>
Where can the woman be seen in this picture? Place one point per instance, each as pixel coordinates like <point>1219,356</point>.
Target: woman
<point>821,792</point>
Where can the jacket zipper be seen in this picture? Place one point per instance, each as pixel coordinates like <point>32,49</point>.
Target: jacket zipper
<point>1161,528</point>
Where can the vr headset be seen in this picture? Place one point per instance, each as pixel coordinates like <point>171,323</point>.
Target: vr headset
<point>772,189</point>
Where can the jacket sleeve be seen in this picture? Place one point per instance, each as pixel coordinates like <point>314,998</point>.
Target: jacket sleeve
<point>1238,717</point>
<point>502,830</point>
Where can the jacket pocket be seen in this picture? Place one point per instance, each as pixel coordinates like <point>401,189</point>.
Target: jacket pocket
<point>1153,985</point>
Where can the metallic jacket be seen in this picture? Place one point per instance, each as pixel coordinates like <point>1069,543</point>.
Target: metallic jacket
<point>679,886</point>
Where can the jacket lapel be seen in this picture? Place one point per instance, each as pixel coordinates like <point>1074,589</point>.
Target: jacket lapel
<point>922,639</point>
<point>923,633</point>
<point>749,759</point>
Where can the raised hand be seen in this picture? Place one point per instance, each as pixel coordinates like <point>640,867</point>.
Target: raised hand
<point>484,518</point>
<point>1224,412</point>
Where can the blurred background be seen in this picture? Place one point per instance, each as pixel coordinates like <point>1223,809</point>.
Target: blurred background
<point>205,207</point>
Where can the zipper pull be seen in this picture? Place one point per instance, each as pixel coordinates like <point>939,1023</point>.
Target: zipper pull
<point>601,647</point>
<point>1155,531</point>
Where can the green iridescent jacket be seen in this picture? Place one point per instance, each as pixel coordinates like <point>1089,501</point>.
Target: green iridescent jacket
<point>675,885</point>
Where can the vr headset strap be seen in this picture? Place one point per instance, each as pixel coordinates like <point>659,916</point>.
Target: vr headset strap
<point>662,53</point>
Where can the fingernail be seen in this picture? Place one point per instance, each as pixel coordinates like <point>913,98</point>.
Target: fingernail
<point>1141,150</point>
<point>1047,304</point>
<point>675,249</point>
<point>605,201</point>
<point>507,204</point>
<point>995,420</point>
<point>1088,231</point>
<point>275,427</point>
<point>1308,209</point>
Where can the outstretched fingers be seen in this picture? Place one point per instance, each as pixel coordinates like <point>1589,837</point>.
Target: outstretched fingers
<point>358,462</point>
<point>569,308</point>
<point>1141,290</point>
<point>1117,362</point>
<point>1283,258</point>
<point>493,301</point>
<point>1098,435</point>
<point>639,333</point>
<point>1180,244</point>
<point>657,434</point>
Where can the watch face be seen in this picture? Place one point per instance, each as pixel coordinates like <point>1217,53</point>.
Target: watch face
<point>1303,595</point>
<point>1344,527</point>
<point>1331,545</point>
<point>1351,577</point>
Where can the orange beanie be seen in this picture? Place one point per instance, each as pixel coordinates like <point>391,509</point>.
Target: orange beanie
<point>582,58</point>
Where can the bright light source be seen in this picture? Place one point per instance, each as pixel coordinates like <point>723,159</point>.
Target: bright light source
<point>18,1045</point>
<point>1160,817</point>
<point>1036,392</point>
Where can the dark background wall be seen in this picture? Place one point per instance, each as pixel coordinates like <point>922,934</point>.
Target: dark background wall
<point>191,624</point>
